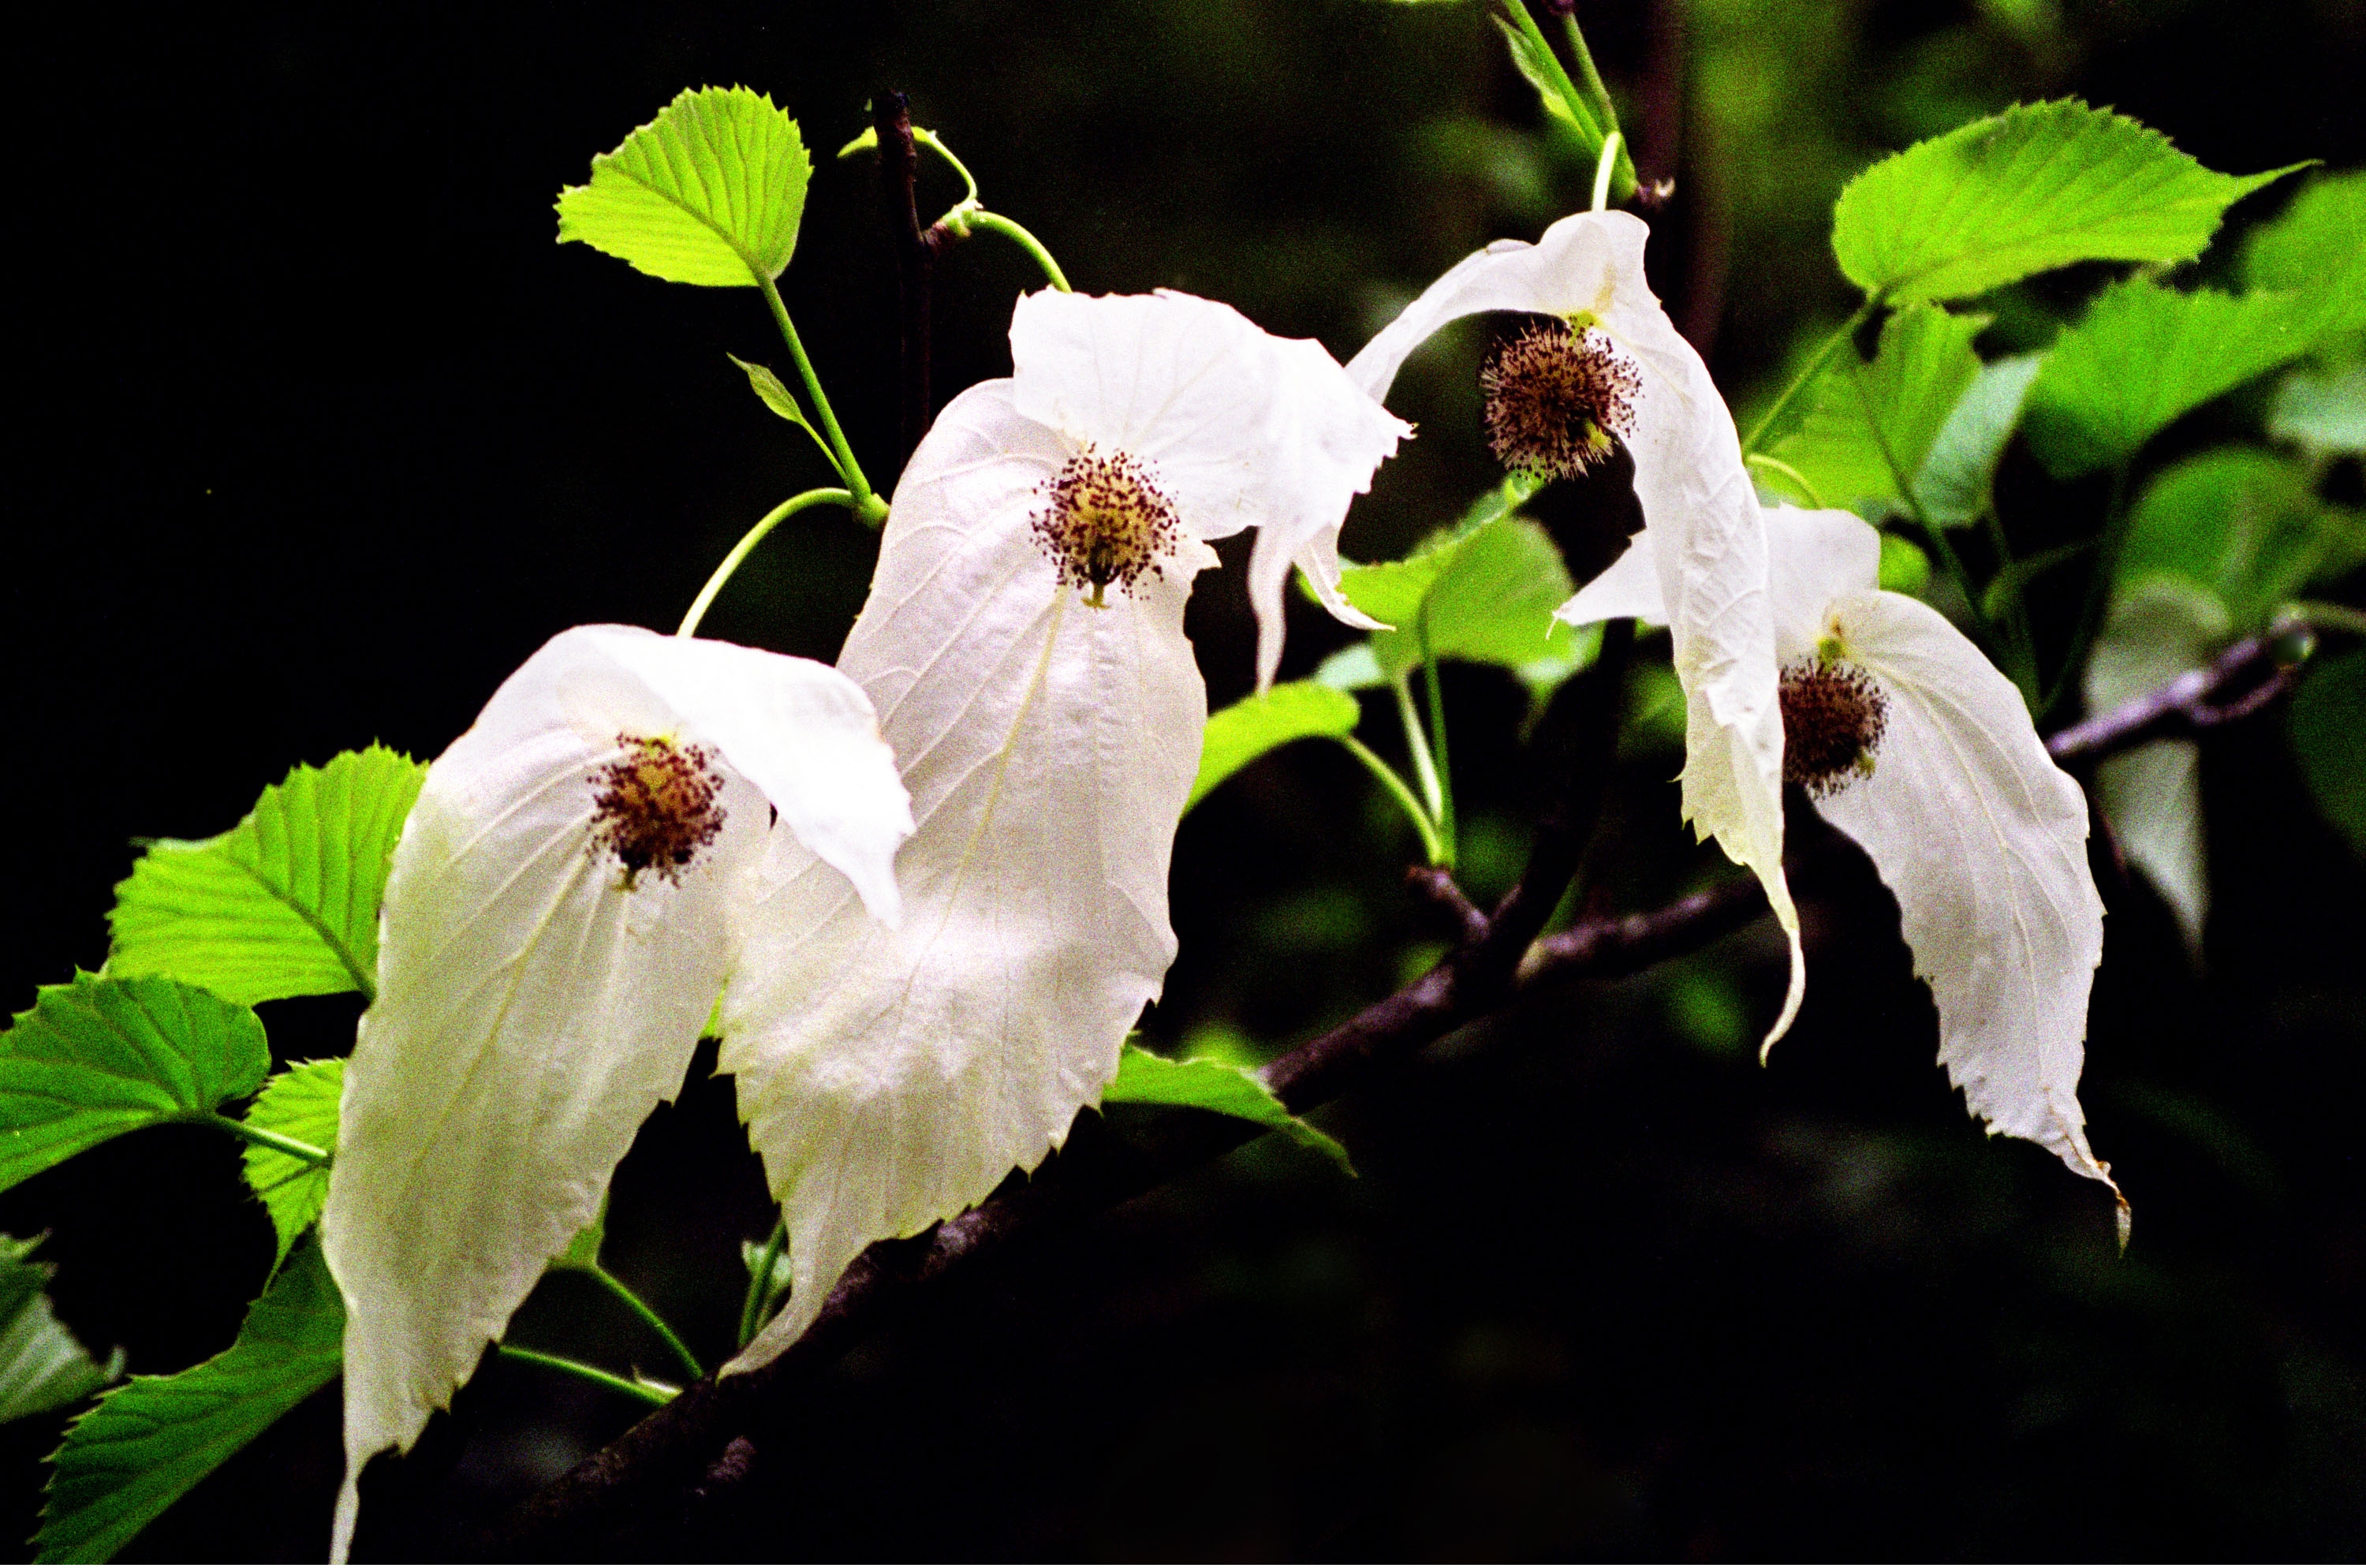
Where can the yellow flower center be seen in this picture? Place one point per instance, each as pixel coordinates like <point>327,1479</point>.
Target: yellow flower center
<point>1105,522</point>
<point>656,806</point>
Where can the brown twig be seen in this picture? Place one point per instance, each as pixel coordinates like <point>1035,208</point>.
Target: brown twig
<point>671,1452</point>
<point>891,118</point>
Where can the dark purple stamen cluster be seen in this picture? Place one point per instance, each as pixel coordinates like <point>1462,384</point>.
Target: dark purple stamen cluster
<point>1555,396</point>
<point>656,806</point>
<point>1833,716</point>
<point>1105,522</point>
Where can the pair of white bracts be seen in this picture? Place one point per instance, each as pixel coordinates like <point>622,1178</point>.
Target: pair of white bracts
<point>640,825</point>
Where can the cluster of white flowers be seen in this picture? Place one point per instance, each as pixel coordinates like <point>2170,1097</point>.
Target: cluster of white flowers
<point>922,895</point>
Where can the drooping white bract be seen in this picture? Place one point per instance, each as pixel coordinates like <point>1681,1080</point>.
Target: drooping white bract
<point>1023,643</point>
<point>1910,742</point>
<point>556,929</point>
<point>1622,369</point>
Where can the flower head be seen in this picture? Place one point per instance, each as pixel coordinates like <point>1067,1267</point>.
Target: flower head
<point>1609,364</point>
<point>1023,642</point>
<point>558,922</point>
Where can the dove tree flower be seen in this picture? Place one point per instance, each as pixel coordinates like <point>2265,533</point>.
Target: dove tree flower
<point>558,925</point>
<point>1602,360</point>
<point>1910,741</point>
<point>1023,643</point>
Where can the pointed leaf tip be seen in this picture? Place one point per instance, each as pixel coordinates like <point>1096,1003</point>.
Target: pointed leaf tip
<point>710,192</point>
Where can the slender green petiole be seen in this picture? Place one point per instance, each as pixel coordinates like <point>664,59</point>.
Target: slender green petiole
<point>1425,766</point>
<point>1403,793</point>
<point>760,1283</point>
<point>748,542</point>
<point>1808,374</point>
<point>647,1394</point>
<point>979,217</point>
<point>848,468</point>
<point>648,1314</point>
<point>1592,78</point>
<point>928,139</point>
<point>1776,465</point>
<point>294,1148</point>
<point>1437,692</point>
<point>1579,109</point>
<point>1604,167</point>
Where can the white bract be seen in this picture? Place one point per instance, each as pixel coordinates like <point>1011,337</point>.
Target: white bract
<point>1619,367</point>
<point>558,927</point>
<point>1911,743</point>
<point>1023,643</point>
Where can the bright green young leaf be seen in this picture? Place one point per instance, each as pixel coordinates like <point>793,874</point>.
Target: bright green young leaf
<point>710,192</point>
<point>2144,355</point>
<point>2242,525</point>
<point>1544,76</point>
<point>2317,249</point>
<point>1144,1078</point>
<point>2328,731</point>
<point>1486,595</point>
<point>1870,424</point>
<point>776,396</point>
<point>1958,475</point>
<point>2322,413</point>
<point>301,1103</point>
<point>2038,186</point>
<point>135,1452</point>
<point>1905,567</point>
<point>1240,734</point>
<point>285,903</point>
<point>96,1057</point>
<point>41,1365</point>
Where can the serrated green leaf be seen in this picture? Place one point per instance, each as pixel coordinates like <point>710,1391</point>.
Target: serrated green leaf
<point>2039,186</point>
<point>96,1057</point>
<point>1957,481</point>
<point>142,1446</point>
<point>301,1103</point>
<point>2316,249</point>
<point>1240,734</point>
<point>41,1365</point>
<point>710,192</point>
<point>2144,355</point>
<point>285,903</point>
<point>2322,413</point>
<point>1144,1078</point>
<point>2242,525</point>
<point>2328,731</point>
<point>1898,403</point>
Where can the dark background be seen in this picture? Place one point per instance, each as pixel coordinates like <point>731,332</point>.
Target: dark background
<point>319,436</point>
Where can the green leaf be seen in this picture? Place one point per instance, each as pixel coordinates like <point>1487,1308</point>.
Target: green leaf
<point>1240,734</point>
<point>583,1249</point>
<point>1896,405</point>
<point>96,1057</point>
<point>777,397</point>
<point>1144,1078</point>
<point>285,903</point>
<point>136,1452</point>
<point>2328,731</point>
<point>2144,355</point>
<point>1955,484</point>
<point>2242,525</point>
<point>1355,667</point>
<point>2322,413</point>
<point>710,192</point>
<point>2038,186</point>
<point>41,1365</point>
<point>301,1103</point>
<point>1488,593</point>
<point>2317,249</point>
<point>1905,569</point>
<point>1544,74</point>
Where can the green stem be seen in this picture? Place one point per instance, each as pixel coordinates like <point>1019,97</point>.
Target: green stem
<point>1604,167</point>
<point>978,217</point>
<point>1437,692</point>
<point>648,1315</point>
<point>748,542</point>
<point>2099,593</point>
<point>1579,109</point>
<point>589,1373</point>
<point>1808,374</point>
<point>928,139</point>
<point>1425,766</point>
<point>1940,545</point>
<point>849,469</point>
<point>2328,616</point>
<point>1592,78</point>
<point>1403,793</point>
<point>1761,460</point>
<point>294,1148</point>
<point>2022,645</point>
<point>760,1283</point>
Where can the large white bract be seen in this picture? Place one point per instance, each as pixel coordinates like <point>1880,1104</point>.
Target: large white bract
<point>558,925</point>
<point>1974,830</point>
<point>1709,555</point>
<point>1023,643</point>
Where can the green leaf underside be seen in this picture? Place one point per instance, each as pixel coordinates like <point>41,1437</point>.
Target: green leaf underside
<point>2328,731</point>
<point>710,192</point>
<point>1958,474</point>
<point>2039,186</point>
<point>2144,355</point>
<point>1241,733</point>
<point>301,1103</point>
<point>41,1365</point>
<point>2322,411</point>
<point>1488,592</point>
<point>96,1057</point>
<point>145,1444</point>
<point>2244,526</point>
<point>1918,374</point>
<point>1144,1078</point>
<point>285,903</point>
<point>2317,247</point>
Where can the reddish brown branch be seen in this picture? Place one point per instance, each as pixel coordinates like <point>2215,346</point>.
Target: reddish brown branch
<point>2237,683</point>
